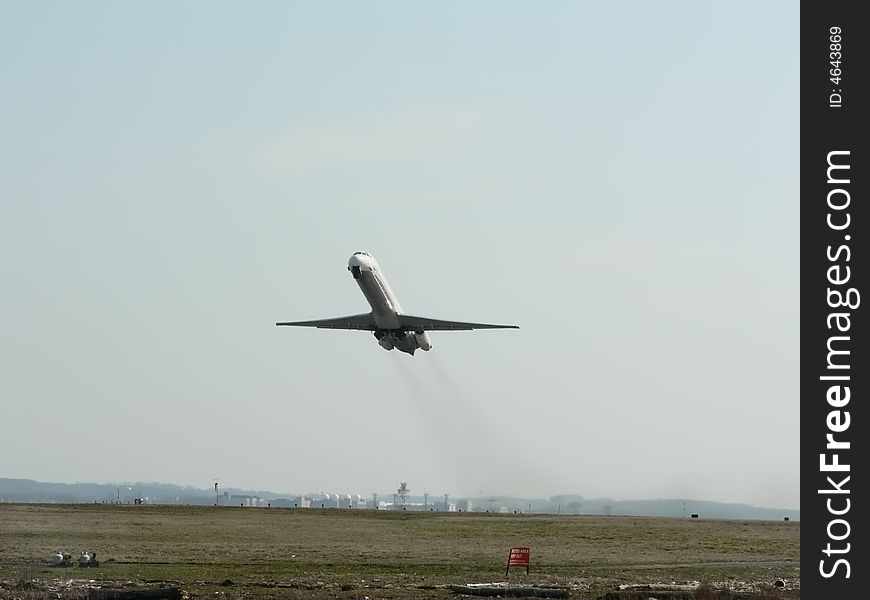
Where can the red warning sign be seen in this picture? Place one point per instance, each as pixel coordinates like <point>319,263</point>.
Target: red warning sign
<point>519,557</point>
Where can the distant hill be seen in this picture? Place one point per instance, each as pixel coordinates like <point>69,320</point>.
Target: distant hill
<point>675,508</point>
<point>570,504</point>
<point>26,490</point>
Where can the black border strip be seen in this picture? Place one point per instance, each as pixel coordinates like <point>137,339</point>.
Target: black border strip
<point>834,332</point>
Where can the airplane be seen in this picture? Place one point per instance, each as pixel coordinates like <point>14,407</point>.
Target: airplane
<point>392,327</point>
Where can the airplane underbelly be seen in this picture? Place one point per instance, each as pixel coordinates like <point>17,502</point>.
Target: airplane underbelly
<point>383,311</point>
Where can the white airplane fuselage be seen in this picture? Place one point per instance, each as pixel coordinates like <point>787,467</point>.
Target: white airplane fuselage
<point>385,306</point>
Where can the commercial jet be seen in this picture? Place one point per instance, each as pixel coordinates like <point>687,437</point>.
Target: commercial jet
<point>393,328</point>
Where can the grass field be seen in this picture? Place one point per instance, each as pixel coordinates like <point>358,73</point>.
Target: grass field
<point>307,553</point>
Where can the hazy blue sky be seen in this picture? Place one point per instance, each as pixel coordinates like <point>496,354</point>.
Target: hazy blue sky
<point>618,178</point>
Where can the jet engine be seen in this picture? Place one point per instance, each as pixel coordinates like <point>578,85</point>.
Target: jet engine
<point>422,339</point>
<point>406,341</point>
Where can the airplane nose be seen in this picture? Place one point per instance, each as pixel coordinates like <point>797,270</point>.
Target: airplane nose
<point>360,261</point>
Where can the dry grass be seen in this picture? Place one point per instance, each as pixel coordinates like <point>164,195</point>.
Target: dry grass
<point>345,554</point>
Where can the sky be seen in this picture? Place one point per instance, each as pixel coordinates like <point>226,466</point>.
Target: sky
<point>619,179</point>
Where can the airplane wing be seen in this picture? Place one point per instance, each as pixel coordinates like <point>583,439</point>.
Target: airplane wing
<point>427,324</point>
<point>364,322</point>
